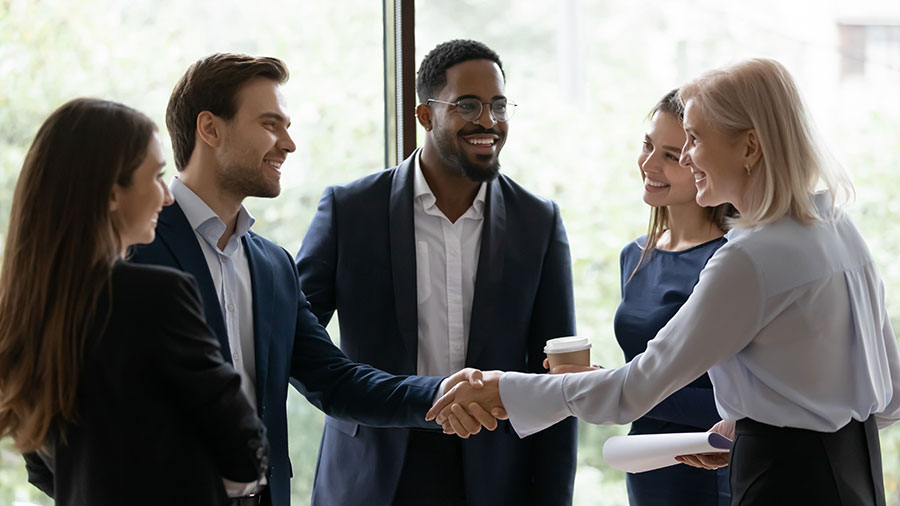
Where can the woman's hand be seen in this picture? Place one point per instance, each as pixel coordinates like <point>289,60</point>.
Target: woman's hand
<point>711,460</point>
<point>564,368</point>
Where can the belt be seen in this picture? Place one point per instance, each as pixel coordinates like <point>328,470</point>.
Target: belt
<point>247,500</point>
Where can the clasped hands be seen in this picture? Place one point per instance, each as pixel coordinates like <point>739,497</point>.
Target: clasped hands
<point>472,400</point>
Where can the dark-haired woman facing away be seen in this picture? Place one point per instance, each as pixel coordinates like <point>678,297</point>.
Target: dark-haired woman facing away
<point>659,271</point>
<point>110,380</point>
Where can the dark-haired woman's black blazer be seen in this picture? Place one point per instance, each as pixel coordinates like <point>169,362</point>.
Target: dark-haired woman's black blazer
<point>161,416</point>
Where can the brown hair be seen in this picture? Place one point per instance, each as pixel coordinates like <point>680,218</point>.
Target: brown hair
<point>659,216</point>
<point>58,258</point>
<point>212,84</point>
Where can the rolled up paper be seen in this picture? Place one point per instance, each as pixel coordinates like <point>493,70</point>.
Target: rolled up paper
<point>646,452</point>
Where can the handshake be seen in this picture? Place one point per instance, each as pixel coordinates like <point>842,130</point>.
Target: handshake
<point>471,400</point>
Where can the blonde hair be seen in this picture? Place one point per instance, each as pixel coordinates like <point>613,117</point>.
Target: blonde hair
<point>761,95</point>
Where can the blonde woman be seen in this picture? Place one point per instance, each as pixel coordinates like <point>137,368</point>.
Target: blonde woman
<point>788,317</point>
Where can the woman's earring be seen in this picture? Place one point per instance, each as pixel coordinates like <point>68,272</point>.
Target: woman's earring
<point>748,169</point>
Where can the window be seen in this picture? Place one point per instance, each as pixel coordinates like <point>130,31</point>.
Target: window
<point>584,73</point>
<point>869,49</point>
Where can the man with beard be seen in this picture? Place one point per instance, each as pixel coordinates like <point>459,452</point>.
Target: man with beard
<point>228,121</point>
<point>445,263</point>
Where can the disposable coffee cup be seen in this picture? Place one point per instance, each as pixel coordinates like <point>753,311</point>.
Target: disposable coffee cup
<point>572,350</point>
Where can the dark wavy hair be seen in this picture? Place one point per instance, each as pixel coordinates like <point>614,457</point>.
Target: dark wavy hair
<point>58,258</point>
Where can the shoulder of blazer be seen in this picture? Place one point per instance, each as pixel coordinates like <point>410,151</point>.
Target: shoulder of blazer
<point>148,284</point>
<point>140,293</point>
<point>173,231</point>
<point>517,196</point>
<point>365,187</point>
<point>147,276</point>
<point>275,254</point>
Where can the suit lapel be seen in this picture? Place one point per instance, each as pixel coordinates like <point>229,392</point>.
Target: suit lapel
<point>403,258</point>
<point>175,231</point>
<point>489,275</point>
<point>263,287</point>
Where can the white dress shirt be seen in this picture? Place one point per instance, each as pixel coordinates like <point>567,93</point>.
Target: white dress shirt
<point>446,264</point>
<point>231,276</point>
<point>789,320</point>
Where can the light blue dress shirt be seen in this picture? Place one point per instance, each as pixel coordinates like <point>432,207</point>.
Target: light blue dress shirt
<point>230,273</point>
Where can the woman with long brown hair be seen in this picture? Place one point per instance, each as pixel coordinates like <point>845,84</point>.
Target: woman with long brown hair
<point>659,271</point>
<point>110,381</point>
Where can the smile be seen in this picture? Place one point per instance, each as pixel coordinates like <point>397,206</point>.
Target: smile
<point>482,144</point>
<point>275,164</point>
<point>655,184</point>
<point>481,141</point>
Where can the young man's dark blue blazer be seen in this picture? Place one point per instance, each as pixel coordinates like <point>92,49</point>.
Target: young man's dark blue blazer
<point>290,345</point>
<point>359,258</point>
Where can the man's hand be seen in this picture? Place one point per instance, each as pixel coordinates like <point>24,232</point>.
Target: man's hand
<point>469,405</point>
<point>711,460</point>
<point>471,375</point>
<point>564,368</point>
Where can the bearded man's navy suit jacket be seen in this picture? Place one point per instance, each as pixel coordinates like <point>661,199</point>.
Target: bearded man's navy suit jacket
<point>359,258</point>
<point>290,345</point>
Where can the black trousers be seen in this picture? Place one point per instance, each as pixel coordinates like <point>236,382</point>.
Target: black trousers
<point>774,466</point>
<point>432,471</point>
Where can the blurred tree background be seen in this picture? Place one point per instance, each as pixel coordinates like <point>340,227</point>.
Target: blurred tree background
<point>584,73</point>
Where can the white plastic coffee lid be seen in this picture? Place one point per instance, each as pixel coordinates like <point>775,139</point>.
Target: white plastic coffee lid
<point>567,344</point>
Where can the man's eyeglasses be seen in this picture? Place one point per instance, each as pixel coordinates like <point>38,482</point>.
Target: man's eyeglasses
<point>470,109</point>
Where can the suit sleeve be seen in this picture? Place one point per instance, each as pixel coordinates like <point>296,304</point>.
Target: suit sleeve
<point>553,456</point>
<point>350,390</point>
<point>316,260</point>
<point>207,388</point>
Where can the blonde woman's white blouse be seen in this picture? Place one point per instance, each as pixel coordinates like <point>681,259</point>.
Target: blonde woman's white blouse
<point>789,320</point>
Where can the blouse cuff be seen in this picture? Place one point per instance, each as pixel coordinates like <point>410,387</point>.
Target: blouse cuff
<point>533,401</point>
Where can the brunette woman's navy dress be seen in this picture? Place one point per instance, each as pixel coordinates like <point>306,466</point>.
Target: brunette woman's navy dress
<point>649,299</point>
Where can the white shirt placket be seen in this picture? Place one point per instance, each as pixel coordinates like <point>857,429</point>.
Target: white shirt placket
<point>455,331</point>
<point>228,309</point>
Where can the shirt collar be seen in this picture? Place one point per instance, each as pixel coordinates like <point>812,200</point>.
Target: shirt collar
<point>422,192</point>
<point>204,220</point>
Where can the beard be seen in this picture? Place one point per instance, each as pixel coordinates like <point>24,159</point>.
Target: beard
<point>485,171</point>
<point>240,177</point>
<point>480,173</point>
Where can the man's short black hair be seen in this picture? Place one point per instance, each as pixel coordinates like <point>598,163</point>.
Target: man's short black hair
<point>432,76</point>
